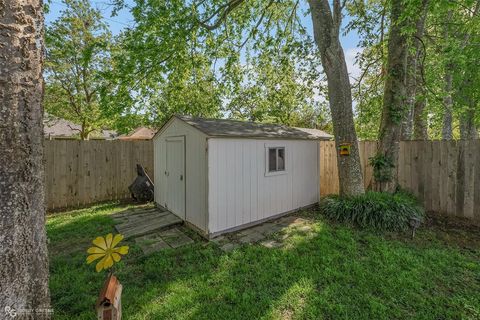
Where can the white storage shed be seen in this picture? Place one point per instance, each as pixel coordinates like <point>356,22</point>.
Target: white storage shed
<point>224,175</point>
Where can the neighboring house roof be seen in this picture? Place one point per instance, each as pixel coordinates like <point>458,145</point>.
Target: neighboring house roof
<point>54,127</point>
<point>140,133</point>
<point>58,127</point>
<point>109,134</point>
<point>245,129</point>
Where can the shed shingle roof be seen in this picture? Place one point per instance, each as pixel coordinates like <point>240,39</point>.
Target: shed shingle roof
<point>236,128</point>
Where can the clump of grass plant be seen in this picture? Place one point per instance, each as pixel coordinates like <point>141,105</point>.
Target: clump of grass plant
<point>378,210</point>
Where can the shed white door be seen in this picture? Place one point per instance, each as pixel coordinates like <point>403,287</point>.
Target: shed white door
<point>176,175</point>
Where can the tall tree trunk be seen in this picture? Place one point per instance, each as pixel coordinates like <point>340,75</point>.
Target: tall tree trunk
<point>414,123</point>
<point>465,99</point>
<point>407,125</point>
<point>326,27</point>
<point>447,133</point>
<point>23,250</point>
<point>394,104</point>
<point>419,122</point>
<point>468,130</point>
<point>465,96</point>
<point>411,83</point>
<point>84,133</point>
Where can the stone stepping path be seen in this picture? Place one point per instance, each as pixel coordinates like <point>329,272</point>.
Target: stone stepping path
<point>262,233</point>
<point>152,228</point>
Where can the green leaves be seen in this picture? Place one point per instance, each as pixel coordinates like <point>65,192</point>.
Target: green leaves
<point>255,63</point>
<point>448,48</point>
<point>77,46</point>
<point>382,166</point>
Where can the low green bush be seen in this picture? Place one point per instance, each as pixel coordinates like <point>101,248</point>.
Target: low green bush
<point>379,210</point>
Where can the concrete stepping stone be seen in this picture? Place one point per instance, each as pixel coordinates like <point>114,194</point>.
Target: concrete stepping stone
<point>151,243</point>
<point>175,238</point>
<point>291,221</point>
<point>229,246</point>
<point>305,228</point>
<point>271,244</point>
<point>221,240</point>
<point>270,228</point>
<point>252,237</point>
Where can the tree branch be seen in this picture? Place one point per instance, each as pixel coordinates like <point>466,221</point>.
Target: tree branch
<point>337,14</point>
<point>227,8</point>
<point>255,28</point>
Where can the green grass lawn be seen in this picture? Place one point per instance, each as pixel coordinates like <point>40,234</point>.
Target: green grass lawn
<point>336,272</point>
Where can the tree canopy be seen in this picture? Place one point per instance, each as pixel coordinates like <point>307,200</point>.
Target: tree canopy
<point>258,60</point>
<point>78,53</point>
<point>256,64</point>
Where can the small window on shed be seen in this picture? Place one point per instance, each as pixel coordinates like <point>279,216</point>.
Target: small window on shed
<point>276,159</point>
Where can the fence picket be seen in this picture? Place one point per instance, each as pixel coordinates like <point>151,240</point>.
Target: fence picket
<point>444,175</point>
<point>85,172</point>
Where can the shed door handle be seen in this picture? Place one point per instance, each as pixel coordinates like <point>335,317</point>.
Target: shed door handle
<point>181,177</point>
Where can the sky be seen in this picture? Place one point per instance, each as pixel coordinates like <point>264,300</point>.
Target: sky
<point>124,19</point>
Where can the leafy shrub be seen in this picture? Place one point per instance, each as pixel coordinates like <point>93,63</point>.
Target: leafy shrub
<point>377,210</point>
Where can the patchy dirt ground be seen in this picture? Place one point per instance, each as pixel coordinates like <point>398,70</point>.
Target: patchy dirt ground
<point>458,231</point>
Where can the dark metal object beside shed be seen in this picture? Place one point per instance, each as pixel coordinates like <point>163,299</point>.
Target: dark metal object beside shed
<point>142,189</point>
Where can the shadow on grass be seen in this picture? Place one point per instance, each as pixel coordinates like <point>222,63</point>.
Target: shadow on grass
<point>333,272</point>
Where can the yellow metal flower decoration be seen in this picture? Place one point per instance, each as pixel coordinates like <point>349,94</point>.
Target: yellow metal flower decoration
<point>104,247</point>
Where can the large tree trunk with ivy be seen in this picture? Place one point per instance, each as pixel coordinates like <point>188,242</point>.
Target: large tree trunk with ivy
<point>326,27</point>
<point>23,258</point>
<point>394,104</point>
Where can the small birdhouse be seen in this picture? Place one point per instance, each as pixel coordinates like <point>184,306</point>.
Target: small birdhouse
<point>344,149</point>
<point>109,305</point>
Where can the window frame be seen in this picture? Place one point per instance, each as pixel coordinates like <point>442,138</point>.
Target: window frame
<point>267,159</point>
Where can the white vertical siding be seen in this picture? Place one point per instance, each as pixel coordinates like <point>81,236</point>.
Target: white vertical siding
<point>240,193</point>
<point>195,174</point>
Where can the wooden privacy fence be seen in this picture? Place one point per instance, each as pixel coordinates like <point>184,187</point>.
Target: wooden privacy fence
<point>83,172</point>
<point>444,175</point>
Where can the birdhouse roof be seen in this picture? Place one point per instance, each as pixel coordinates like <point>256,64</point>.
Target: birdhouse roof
<point>107,295</point>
